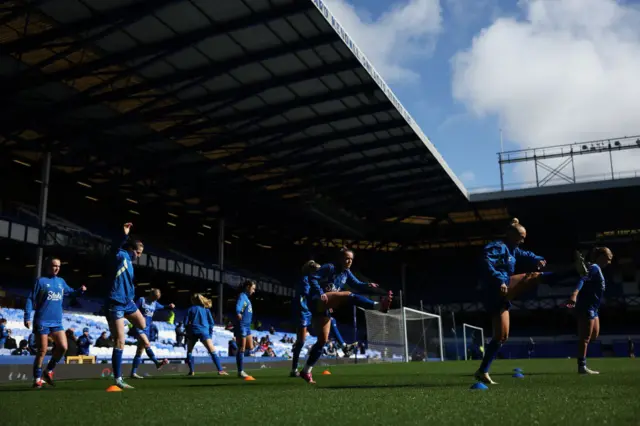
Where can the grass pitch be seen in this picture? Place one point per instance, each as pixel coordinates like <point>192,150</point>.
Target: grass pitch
<point>399,394</point>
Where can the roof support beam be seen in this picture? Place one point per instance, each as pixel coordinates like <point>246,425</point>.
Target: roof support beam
<point>314,161</point>
<point>293,148</point>
<point>400,184</point>
<point>109,17</point>
<point>327,178</point>
<point>167,46</point>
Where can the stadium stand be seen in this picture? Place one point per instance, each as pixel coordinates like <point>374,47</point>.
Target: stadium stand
<point>165,347</point>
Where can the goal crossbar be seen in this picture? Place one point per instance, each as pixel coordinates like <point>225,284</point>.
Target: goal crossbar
<point>423,313</point>
<point>464,336</point>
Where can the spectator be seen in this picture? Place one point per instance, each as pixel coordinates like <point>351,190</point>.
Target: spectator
<point>269,353</point>
<point>330,350</point>
<point>180,335</point>
<point>10,343</point>
<point>22,350</point>
<point>103,341</point>
<point>632,349</point>
<point>72,342</point>
<point>272,330</point>
<point>531,348</point>
<point>3,332</point>
<point>418,355</point>
<point>84,342</point>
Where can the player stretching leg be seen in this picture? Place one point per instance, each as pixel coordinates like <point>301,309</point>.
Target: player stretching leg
<point>120,304</point>
<point>199,326</point>
<point>324,303</point>
<point>501,286</point>
<point>586,300</point>
<point>242,328</point>
<point>341,278</point>
<point>147,305</point>
<point>46,299</point>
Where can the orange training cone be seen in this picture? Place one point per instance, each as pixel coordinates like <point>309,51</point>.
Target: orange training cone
<point>113,388</point>
<point>249,379</point>
<point>326,372</point>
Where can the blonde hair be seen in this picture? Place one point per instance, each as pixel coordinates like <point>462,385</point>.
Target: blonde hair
<point>599,251</point>
<point>310,267</point>
<point>515,225</point>
<point>199,299</point>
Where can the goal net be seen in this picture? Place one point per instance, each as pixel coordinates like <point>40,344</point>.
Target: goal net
<point>473,338</point>
<point>404,335</point>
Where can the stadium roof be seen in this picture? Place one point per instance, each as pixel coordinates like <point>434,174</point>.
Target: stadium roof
<point>263,111</point>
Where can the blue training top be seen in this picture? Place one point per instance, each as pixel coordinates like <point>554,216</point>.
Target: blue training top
<point>148,308</point>
<point>328,276</point>
<point>244,308</point>
<point>198,320</point>
<point>46,299</point>
<point>122,288</point>
<point>591,289</point>
<point>499,263</point>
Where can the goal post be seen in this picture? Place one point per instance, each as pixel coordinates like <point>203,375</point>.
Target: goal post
<point>403,335</point>
<point>469,331</point>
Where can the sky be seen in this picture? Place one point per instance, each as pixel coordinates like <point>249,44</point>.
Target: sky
<point>546,72</point>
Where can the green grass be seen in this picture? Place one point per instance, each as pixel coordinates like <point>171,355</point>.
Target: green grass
<point>400,394</point>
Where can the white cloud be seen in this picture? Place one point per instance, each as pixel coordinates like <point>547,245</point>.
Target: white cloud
<point>568,72</point>
<point>407,30</point>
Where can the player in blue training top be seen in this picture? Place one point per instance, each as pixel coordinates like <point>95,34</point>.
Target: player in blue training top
<point>199,327</point>
<point>302,314</point>
<point>120,304</point>
<point>501,285</point>
<point>586,300</point>
<point>323,303</point>
<point>242,326</point>
<point>344,279</point>
<point>46,299</point>
<point>148,306</point>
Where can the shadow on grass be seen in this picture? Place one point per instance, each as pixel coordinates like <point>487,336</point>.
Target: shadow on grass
<point>398,386</point>
<point>237,384</point>
<point>26,388</point>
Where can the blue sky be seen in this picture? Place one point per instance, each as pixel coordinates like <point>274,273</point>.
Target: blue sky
<point>547,72</point>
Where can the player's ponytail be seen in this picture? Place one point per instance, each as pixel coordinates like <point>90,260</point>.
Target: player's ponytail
<point>310,267</point>
<point>515,226</point>
<point>199,300</point>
